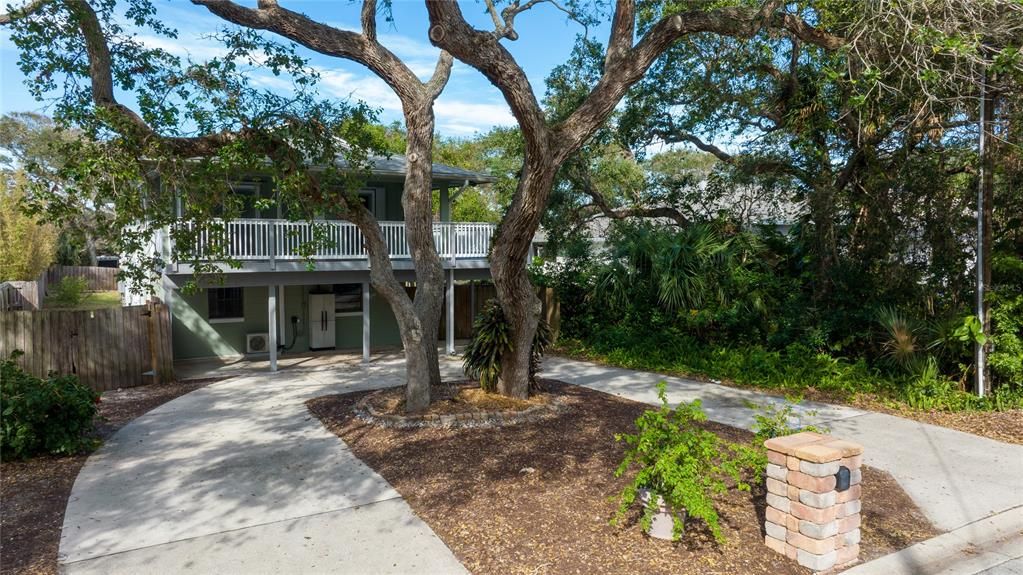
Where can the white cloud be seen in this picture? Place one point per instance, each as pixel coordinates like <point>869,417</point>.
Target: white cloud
<point>192,46</point>
<point>467,117</point>
<point>370,89</point>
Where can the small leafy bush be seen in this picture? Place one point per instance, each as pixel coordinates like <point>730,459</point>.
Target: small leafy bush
<point>681,462</point>
<point>490,340</point>
<point>52,415</point>
<point>70,291</point>
<point>773,420</point>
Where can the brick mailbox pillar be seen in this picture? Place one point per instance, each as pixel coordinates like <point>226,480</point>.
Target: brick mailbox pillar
<point>813,499</point>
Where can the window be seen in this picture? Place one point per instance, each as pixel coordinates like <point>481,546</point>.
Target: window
<point>367,197</point>
<point>347,299</point>
<point>225,304</point>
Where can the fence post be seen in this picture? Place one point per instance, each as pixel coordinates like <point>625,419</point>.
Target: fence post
<point>151,326</point>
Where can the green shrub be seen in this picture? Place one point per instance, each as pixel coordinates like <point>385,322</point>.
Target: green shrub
<point>773,420</point>
<point>70,291</point>
<point>490,340</point>
<point>1006,359</point>
<point>681,462</point>
<point>52,415</point>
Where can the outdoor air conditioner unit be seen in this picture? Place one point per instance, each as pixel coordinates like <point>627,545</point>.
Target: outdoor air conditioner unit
<point>257,343</point>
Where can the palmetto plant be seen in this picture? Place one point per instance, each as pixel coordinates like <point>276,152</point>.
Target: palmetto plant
<point>678,268</point>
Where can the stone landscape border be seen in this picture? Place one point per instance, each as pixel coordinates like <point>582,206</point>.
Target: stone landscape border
<point>478,418</point>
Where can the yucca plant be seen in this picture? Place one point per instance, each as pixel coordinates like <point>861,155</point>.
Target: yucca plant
<point>899,344</point>
<point>482,358</point>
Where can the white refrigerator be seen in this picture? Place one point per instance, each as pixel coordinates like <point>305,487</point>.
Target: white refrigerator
<point>321,321</point>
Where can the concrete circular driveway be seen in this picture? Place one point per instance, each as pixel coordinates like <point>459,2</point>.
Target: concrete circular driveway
<point>239,477</point>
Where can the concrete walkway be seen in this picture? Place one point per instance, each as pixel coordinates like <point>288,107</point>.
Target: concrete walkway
<point>238,477</point>
<point>967,485</point>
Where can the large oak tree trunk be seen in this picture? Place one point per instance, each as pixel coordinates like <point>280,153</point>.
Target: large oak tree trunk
<point>508,266</point>
<point>417,202</point>
<point>417,370</point>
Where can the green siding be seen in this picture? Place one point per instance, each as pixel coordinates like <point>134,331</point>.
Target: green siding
<point>383,328</point>
<point>196,337</point>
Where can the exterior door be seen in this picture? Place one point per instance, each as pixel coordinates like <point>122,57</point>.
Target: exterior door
<point>321,321</point>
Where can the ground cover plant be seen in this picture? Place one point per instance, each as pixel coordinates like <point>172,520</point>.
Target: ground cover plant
<point>537,498</point>
<point>818,376</point>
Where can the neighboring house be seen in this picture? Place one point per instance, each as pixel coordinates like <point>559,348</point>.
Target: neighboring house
<point>273,300</point>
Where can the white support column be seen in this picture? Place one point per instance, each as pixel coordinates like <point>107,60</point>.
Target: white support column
<point>282,324</point>
<point>451,312</point>
<point>272,310</point>
<point>365,322</point>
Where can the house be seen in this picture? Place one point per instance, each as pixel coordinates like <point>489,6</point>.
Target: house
<point>275,303</point>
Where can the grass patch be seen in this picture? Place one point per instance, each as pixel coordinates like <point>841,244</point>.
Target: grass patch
<point>90,301</point>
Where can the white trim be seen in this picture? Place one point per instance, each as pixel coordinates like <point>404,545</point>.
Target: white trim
<point>227,320</point>
<point>348,313</point>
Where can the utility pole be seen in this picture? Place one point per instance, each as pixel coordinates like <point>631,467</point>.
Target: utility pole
<point>985,207</point>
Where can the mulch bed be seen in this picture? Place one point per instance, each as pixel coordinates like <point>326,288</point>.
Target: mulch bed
<point>34,492</point>
<point>535,498</point>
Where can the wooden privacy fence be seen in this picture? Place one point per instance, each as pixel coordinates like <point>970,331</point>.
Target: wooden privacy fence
<point>19,295</point>
<point>100,279</point>
<point>106,348</point>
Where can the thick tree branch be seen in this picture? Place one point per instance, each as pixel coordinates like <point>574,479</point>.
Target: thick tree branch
<point>102,84</point>
<point>623,24</point>
<point>483,51</point>
<point>580,175</point>
<point>629,69</point>
<point>25,10</point>
<point>319,37</point>
<point>435,85</point>
<point>369,20</point>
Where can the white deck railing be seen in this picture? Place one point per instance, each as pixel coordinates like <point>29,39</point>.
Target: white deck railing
<point>257,240</point>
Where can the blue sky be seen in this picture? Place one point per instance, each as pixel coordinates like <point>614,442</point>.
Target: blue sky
<point>469,103</point>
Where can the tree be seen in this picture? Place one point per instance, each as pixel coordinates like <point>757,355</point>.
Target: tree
<point>418,320</point>
<point>549,144</point>
<point>205,122</point>
<point>27,247</point>
<point>875,138</point>
<point>35,146</point>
